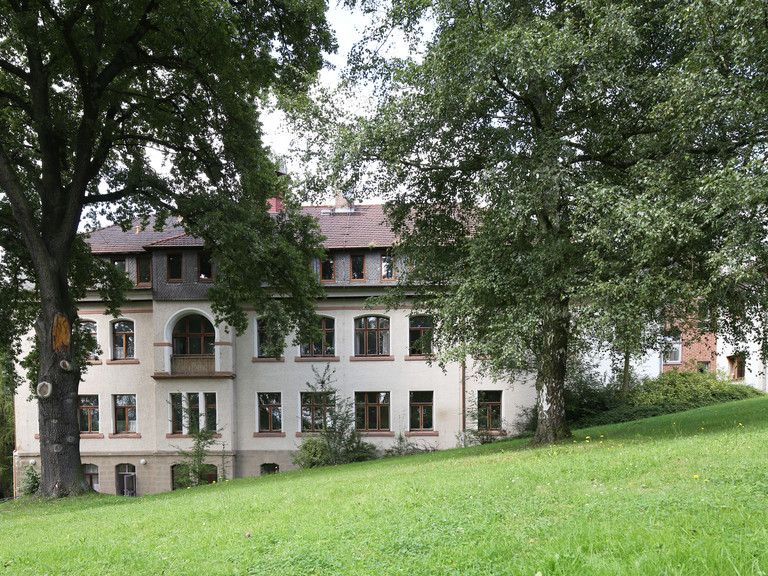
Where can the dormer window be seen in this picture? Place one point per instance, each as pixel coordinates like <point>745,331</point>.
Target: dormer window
<point>175,268</point>
<point>144,271</point>
<point>204,267</point>
<point>357,267</point>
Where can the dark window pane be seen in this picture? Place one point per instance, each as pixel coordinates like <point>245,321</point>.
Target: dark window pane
<point>174,267</point>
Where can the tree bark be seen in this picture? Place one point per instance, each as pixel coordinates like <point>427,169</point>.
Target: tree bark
<point>61,470</point>
<point>550,380</point>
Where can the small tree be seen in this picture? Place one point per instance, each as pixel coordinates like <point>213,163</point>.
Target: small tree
<point>193,468</point>
<point>338,441</point>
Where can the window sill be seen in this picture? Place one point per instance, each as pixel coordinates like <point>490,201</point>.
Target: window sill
<point>371,358</point>
<point>269,434</point>
<point>375,433</point>
<point>187,435</point>
<point>422,433</point>
<point>259,359</point>
<point>493,432</point>
<point>125,435</point>
<point>85,435</point>
<point>422,357</point>
<point>94,362</point>
<point>316,359</point>
<point>307,433</point>
<point>144,285</point>
<point>124,361</point>
<point>212,375</point>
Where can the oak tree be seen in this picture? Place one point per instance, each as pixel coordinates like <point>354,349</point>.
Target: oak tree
<point>87,89</point>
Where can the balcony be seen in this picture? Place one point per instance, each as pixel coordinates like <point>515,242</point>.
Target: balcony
<point>192,364</point>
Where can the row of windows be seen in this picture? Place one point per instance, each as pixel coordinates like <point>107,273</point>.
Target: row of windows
<point>174,268</point>
<point>189,412</point>
<point>356,268</point>
<point>195,335</point>
<point>371,337</point>
<point>192,410</point>
<point>125,477</point>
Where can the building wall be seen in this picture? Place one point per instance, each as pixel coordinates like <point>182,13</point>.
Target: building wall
<point>239,377</point>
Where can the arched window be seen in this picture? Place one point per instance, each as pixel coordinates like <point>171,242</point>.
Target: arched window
<point>91,472</point>
<point>372,336</point>
<point>126,480</point>
<point>193,335</point>
<point>122,340</point>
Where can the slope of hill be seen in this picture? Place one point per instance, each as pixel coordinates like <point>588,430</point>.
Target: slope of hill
<point>678,494</point>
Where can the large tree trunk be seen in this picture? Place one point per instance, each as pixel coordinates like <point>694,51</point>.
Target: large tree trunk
<point>550,380</point>
<point>61,470</point>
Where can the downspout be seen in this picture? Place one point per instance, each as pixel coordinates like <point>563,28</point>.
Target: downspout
<point>463,402</point>
<point>15,477</point>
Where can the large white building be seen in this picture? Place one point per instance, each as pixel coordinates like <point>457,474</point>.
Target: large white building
<point>165,353</point>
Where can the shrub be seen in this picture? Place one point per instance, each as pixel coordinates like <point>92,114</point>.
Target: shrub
<point>30,482</point>
<point>592,401</point>
<point>338,442</point>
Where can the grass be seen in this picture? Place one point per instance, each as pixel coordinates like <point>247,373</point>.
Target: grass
<point>677,494</point>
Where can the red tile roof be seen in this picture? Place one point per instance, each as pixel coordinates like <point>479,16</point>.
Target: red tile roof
<point>365,227</point>
<point>362,227</point>
<point>113,240</point>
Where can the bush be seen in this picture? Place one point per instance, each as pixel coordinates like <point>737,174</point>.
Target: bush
<point>30,482</point>
<point>674,391</point>
<point>338,442</point>
<point>592,401</point>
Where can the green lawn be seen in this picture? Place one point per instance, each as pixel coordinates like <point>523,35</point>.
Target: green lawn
<point>678,494</point>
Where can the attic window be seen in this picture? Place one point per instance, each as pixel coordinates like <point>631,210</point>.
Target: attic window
<point>175,268</point>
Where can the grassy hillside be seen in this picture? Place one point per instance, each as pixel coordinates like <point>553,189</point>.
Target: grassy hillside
<point>678,494</point>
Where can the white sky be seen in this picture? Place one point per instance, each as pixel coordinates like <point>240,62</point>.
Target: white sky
<point>348,27</point>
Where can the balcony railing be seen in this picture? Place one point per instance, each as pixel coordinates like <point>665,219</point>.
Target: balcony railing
<point>192,364</point>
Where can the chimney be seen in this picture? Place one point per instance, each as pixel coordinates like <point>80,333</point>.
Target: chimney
<point>275,205</point>
<point>342,202</point>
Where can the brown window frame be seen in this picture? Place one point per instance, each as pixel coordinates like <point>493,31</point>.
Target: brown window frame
<point>168,257</point>
<point>323,262</point>
<point>352,268</point>
<point>267,411</point>
<point>485,409</point>
<point>89,411</point>
<point>365,407</point>
<point>420,408</point>
<point>207,339</point>
<point>200,256</point>
<point>307,349</point>
<point>147,260</point>
<point>378,330</point>
<point>211,414</point>
<point>123,340</point>
<point>418,333</point>
<point>125,409</point>
<point>737,366</point>
<point>314,407</point>
<point>392,267</point>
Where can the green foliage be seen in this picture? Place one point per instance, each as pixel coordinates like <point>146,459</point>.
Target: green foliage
<point>338,442</point>
<point>404,446</point>
<point>591,401</point>
<point>7,443</point>
<point>30,481</point>
<point>689,388</point>
<point>193,468</point>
